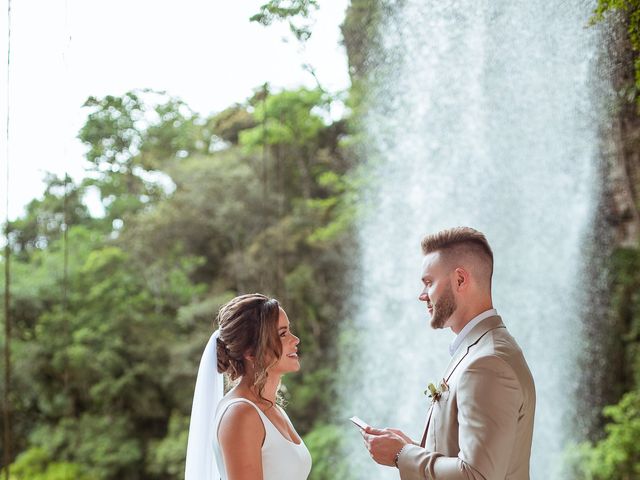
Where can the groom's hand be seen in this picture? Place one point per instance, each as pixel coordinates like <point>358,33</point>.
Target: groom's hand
<point>402,434</point>
<point>384,445</point>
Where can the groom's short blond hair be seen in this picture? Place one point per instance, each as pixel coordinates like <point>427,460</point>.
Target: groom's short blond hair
<point>459,242</point>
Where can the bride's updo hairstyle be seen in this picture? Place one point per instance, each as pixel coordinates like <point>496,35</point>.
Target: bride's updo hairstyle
<point>249,324</point>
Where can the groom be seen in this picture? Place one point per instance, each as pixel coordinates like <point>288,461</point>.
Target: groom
<point>480,422</point>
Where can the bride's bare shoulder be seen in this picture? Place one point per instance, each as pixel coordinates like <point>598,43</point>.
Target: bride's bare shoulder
<point>240,421</point>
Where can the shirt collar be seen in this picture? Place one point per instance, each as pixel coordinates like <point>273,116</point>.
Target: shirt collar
<point>468,327</point>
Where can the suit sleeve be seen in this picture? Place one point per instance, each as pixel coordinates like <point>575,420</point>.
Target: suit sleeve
<point>489,398</point>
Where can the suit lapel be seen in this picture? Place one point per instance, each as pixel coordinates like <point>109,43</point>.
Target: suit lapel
<point>470,340</point>
<point>455,361</point>
<point>423,442</point>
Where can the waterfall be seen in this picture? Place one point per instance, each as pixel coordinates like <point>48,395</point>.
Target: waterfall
<point>480,113</point>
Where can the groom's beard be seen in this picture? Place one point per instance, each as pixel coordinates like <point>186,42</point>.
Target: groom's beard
<point>443,309</point>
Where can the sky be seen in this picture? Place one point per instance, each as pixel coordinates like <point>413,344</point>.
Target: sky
<point>205,52</point>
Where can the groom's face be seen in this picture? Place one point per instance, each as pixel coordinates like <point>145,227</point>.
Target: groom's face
<point>437,292</point>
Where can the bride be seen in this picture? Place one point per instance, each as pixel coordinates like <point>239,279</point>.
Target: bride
<point>246,435</point>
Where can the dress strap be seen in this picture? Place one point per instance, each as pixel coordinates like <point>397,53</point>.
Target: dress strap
<point>243,400</point>
<point>286,417</point>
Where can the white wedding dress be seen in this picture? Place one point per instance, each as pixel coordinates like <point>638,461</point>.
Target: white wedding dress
<point>281,458</point>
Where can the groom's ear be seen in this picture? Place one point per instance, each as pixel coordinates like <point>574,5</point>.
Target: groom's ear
<point>461,278</point>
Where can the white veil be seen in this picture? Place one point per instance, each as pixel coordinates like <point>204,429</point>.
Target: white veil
<point>201,461</point>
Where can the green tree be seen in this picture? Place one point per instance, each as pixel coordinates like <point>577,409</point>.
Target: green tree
<point>327,446</point>
<point>617,456</point>
<point>37,464</point>
<point>97,376</point>
<point>45,219</point>
<point>106,348</point>
<point>295,12</point>
<point>131,138</point>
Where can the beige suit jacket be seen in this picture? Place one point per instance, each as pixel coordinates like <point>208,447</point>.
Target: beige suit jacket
<point>481,427</point>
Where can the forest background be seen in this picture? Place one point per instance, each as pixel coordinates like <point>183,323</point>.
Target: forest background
<point>110,314</point>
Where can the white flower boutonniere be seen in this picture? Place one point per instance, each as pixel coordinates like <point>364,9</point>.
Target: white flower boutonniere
<point>434,393</point>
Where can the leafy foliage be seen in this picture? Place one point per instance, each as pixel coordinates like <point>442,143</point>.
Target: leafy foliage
<point>36,464</point>
<point>630,10</point>
<point>45,220</point>
<point>131,138</point>
<point>617,456</point>
<point>256,198</point>
<point>290,11</point>
<point>326,445</point>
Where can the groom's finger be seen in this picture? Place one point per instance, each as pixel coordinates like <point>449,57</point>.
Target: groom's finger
<point>373,431</point>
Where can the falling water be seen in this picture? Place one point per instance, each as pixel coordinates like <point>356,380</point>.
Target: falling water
<point>481,114</point>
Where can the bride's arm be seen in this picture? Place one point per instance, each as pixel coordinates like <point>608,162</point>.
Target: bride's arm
<point>241,435</point>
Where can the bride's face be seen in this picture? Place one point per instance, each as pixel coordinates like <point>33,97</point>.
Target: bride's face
<point>288,361</point>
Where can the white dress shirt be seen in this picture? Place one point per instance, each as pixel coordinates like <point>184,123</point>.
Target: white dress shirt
<point>468,327</point>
